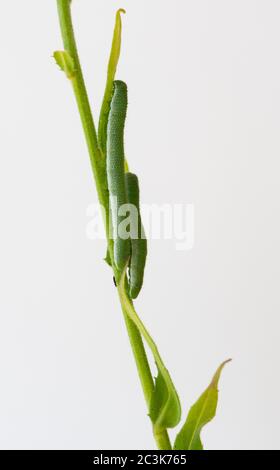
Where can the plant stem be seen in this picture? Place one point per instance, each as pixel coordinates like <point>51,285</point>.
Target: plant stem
<point>81,94</point>
<point>163,441</point>
<point>140,358</point>
<point>99,171</point>
<point>161,436</point>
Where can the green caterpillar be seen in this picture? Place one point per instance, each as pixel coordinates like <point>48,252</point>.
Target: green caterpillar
<point>138,244</point>
<point>115,170</point>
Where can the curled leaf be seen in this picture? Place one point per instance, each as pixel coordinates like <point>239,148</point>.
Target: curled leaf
<point>165,409</point>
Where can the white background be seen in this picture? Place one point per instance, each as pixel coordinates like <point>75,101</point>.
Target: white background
<point>203,128</point>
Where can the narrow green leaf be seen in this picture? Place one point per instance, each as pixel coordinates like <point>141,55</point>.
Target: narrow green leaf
<point>203,411</point>
<point>65,62</point>
<point>111,72</point>
<point>165,409</point>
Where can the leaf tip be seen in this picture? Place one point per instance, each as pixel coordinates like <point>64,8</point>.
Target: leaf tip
<point>218,372</point>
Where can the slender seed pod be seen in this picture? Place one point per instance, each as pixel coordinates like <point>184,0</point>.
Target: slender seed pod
<point>115,170</point>
<point>139,242</point>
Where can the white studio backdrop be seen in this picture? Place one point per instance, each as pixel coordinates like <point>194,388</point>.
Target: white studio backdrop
<point>203,128</point>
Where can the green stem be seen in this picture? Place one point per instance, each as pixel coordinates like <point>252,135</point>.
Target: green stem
<point>161,436</point>
<point>163,441</point>
<point>82,97</point>
<point>141,360</point>
<point>99,172</point>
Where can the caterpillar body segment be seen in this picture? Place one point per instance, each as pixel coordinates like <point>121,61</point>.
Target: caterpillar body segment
<point>138,242</point>
<point>115,170</point>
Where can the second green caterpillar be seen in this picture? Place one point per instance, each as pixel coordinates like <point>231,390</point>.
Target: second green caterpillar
<point>138,237</point>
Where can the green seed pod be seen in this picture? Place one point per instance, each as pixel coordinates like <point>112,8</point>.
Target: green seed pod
<point>115,170</point>
<point>139,243</point>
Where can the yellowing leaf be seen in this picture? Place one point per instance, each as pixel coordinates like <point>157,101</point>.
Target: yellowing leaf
<point>203,411</point>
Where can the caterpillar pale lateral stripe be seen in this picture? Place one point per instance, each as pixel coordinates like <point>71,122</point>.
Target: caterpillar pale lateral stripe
<point>139,244</point>
<point>115,170</point>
